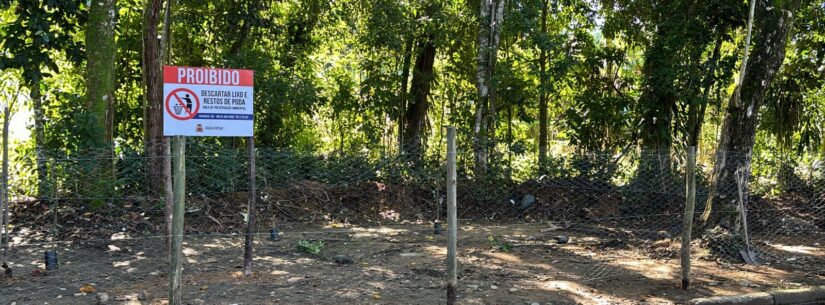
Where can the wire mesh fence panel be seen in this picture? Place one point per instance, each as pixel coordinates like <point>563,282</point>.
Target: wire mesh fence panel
<point>86,225</point>
<point>363,228</point>
<point>786,218</point>
<point>592,213</point>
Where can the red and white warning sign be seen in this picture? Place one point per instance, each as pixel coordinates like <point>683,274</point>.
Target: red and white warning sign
<point>207,102</point>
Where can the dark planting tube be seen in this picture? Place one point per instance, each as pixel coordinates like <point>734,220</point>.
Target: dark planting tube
<point>273,234</point>
<point>51,260</point>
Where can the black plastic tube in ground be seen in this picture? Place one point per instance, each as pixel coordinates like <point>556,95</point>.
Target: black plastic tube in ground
<point>51,260</point>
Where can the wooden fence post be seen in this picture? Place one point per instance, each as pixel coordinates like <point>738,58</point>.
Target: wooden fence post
<point>4,195</point>
<point>690,203</point>
<point>452,219</point>
<point>251,210</point>
<point>179,195</point>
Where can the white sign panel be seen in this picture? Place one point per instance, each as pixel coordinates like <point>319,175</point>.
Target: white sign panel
<point>207,102</point>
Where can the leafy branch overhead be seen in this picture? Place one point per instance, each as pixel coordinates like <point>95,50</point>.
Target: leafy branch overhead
<point>521,79</point>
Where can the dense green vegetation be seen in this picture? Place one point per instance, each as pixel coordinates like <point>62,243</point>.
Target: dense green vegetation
<point>523,80</point>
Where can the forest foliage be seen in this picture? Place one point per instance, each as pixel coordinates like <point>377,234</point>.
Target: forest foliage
<point>542,78</point>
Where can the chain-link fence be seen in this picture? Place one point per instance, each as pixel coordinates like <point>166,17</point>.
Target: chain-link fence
<point>336,228</point>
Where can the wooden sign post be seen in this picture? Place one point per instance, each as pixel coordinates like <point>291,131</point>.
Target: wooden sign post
<point>205,102</point>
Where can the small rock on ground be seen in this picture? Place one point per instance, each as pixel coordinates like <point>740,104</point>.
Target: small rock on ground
<point>102,298</point>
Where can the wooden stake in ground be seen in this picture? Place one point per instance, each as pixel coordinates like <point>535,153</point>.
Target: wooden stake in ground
<point>250,224</point>
<point>690,203</point>
<point>179,193</point>
<point>4,195</point>
<point>452,220</point>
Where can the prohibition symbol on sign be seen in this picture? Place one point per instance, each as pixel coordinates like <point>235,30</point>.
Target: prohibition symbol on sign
<point>182,104</point>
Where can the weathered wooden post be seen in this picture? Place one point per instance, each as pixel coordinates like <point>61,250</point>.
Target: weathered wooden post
<point>251,210</point>
<point>179,197</point>
<point>690,203</point>
<point>452,219</point>
<point>4,195</point>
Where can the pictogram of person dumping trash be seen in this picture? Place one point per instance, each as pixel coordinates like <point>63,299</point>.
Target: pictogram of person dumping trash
<point>182,104</point>
<point>179,108</point>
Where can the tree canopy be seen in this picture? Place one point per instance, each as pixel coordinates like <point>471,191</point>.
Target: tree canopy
<point>521,79</point>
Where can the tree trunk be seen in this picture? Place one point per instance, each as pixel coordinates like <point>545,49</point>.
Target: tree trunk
<point>543,92</point>
<point>39,141</point>
<point>402,91</point>
<point>100,95</point>
<point>153,93</point>
<point>416,113</point>
<point>656,106</point>
<point>157,146</point>
<point>166,36</point>
<point>168,191</point>
<point>483,87</point>
<point>732,167</point>
<point>490,16</point>
<point>100,70</point>
<point>498,18</point>
<point>510,142</point>
<point>696,112</point>
<point>658,98</point>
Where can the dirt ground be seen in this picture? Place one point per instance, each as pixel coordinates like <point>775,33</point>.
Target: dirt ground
<point>401,264</point>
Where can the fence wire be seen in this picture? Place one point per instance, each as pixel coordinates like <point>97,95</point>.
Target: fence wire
<point>359,228</point>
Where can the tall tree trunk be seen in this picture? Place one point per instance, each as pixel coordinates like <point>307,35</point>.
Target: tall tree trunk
<point>402,91</point>
<point>731,171</point>
<point>656,106</point>
<point>509,142</point>
<point>543,92</point>
<point>39,141</point>
<point>490,16</point>
<point>483,88</point>
<point>166,59</point>
<point>100,70</point>
<point>166,36</point>
<point>696,112</point>
<point>100,95</point>
<point>658,97</point>
<point>658,101</point>
<point>153,93</point>
<point>416,113</point>
<point>498,18</point>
